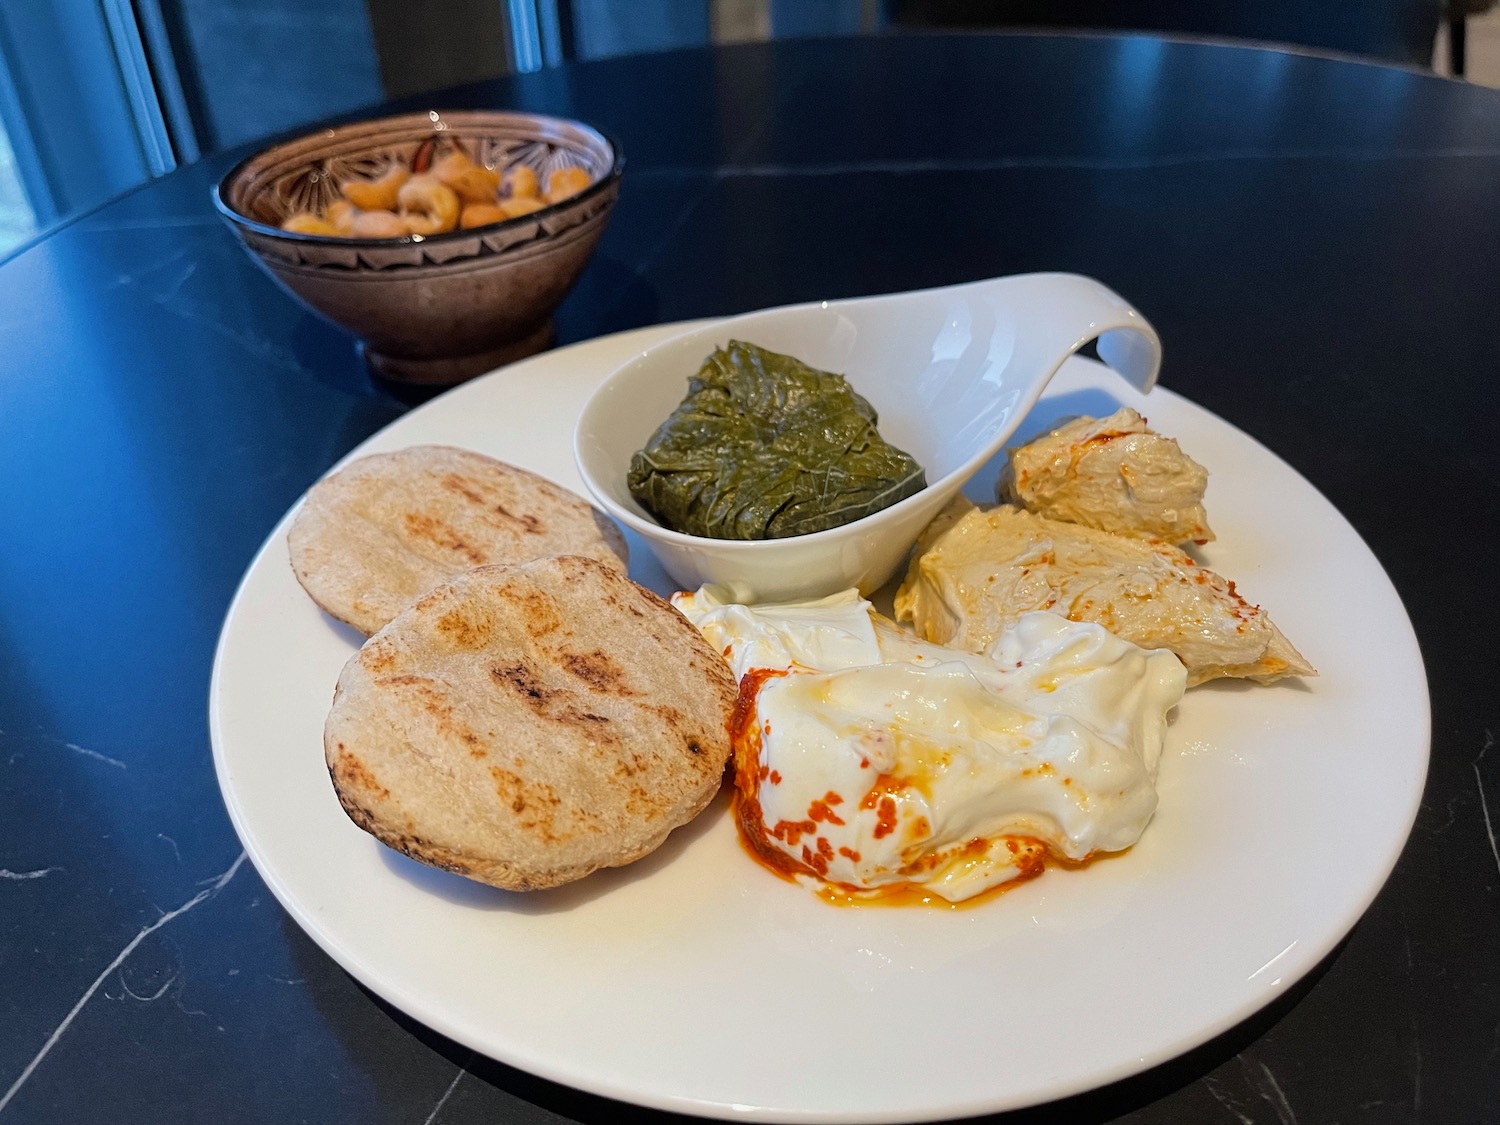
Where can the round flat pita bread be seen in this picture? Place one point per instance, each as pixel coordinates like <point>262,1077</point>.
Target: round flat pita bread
<point>378,534</point>
<point>524,726</point>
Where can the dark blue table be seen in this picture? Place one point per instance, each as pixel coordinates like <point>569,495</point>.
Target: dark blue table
<point>1318,242</point>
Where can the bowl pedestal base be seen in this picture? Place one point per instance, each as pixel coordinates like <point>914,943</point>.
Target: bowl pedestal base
<point>448,370</point>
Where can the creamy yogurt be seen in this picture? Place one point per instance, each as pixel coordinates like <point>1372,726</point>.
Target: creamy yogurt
<point>869,760</point>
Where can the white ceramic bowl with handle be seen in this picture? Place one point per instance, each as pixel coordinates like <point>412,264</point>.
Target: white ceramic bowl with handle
<point>951,372</point>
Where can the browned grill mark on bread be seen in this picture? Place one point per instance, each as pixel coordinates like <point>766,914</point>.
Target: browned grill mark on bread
<point>350,773</point>
<point>529,522</point>
<point>587,716</point>
<point>669,715</point>
<point>465,629</point>
<point>541,615</point>
<point>421,526</point>
<point>520,677</point>
<point>455,483</point>
<point>432,702</point>
<point>377,657</point>
<point>598,671</point>
<point>519,794</point>
<point>557,703</point>
<point>639,803</point>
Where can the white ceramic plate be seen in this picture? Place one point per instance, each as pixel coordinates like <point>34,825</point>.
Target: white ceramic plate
<point>696,981</point>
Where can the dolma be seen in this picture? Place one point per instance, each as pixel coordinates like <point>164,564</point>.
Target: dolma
<point>766,447</point>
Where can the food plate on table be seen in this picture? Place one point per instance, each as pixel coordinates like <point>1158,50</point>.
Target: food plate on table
<point>696,981</point>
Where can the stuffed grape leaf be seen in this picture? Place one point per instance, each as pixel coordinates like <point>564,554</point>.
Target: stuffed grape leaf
<point>766,447</point>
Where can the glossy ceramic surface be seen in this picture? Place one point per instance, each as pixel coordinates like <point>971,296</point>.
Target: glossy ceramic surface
<point>441,308</point>
<point>951,371</point>
<point>1282,811</point>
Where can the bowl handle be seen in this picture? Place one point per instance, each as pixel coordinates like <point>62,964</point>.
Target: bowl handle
<point>1064,311</point>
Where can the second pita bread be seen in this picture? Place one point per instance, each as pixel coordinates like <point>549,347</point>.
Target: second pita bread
<point>378,534</point>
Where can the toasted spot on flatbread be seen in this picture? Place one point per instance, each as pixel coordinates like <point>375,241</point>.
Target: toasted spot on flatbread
<point>426,529</point>
<point>351,775</point>
<point>463,738</point>
<point>529,522</point>
<point>378,534</point>
<point>598,671</point>
<point>541,618</point>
